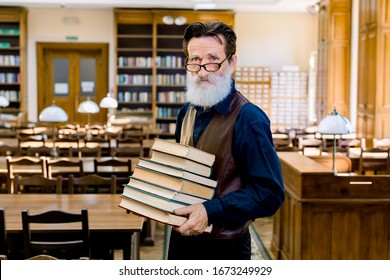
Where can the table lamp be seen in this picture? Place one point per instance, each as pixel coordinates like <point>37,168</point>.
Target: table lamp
<point>3,103</point>
<point>88,107</point>
<point>53,114</point>
<point>110,103</point>
<point>334,124</point>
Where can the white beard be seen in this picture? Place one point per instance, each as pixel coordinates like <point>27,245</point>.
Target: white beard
<point>211,93</point>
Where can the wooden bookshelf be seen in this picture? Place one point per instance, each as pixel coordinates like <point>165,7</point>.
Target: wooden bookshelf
<point>150,73</point>
<point>13,32</point>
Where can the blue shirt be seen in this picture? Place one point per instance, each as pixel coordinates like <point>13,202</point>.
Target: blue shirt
<point>256,158</point>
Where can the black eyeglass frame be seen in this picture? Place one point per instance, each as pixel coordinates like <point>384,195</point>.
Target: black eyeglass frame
<point>219,64</point>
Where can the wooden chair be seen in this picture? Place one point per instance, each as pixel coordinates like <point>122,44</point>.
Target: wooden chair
<point>32,140</point>
<point>381,143</point>
<point>3,236</point>
<point>376,160</point>
<point>102,168</point>
<point>85,152</point>
<point>314,145</point>
<point>98,183</point>
<point>42,151</point>
<point>45,185</point>
<point>99,140</point>
<point>7,150</point>
<point>64,167</point>
<point>24,166</point>
<point>128,146</point>
<point>57,241</point>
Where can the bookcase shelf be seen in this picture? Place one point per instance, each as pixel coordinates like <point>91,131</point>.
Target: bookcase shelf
<point>13,28</point>
<point>147,46</point>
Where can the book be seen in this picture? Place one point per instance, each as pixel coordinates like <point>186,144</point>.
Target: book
<point>173,183</point>
<point>154,213</point>
<point>183,151</point>
<point>176,172</point>
<point>151,212</point>
<point>152,199</point>
<point>162,191</point>
<point>181,163</point>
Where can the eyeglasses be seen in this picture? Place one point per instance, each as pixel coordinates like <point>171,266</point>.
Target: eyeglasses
<point>209,67</point>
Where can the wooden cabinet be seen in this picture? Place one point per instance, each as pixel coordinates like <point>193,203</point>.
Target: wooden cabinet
<point>373,112</point>
<point>328,217</point>
<point>333,81</point>
<point>150,73</point>
<point>13,59</point>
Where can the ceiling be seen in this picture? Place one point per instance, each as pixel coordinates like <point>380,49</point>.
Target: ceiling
<point>235,5</point>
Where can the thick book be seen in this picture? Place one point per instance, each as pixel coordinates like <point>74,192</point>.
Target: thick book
<point>183,151</point>
<point>173,183</point>
<point>181,163</point>
<point>176,172</point>
<point>152,199</point>
<point>162,191</point>
<point>154,213</point>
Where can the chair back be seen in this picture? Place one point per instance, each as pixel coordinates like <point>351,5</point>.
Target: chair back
<point>45,185</point>
<point>24,166</point>
<point>64,167</point>
<point>85,152</point>
<point>310,146</point>
<point>3,235</point>
<point>381,143</point>
<point>42,151</point>
<point>92,183</point>
<point>99,140</point>
<point>107,167</point>
<point>376,160</point>
<point>6,150</point>
<point>128,146</point>
<point>59,242</point>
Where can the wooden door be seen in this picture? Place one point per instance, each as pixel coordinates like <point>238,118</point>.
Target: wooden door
<point>68,74</point>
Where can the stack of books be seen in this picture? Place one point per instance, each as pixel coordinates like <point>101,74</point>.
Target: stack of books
<point>175,176</point>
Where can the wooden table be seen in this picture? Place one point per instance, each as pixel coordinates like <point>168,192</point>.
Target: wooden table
<point>331,217</point>
<point>110,226</point>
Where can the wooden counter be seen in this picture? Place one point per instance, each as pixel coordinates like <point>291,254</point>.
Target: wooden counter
<point>331,217</point>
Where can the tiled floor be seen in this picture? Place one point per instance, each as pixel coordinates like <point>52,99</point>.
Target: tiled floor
<point>262,226</point>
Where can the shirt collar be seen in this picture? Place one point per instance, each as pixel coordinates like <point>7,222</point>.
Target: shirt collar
<point>224,106</point>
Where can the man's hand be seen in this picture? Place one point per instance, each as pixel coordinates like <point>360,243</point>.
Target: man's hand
<point>197,219</point>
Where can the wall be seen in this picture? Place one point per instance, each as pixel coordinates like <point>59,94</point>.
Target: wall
<point>47,25</point>
<point>264,39</point>
<point>275,39</point>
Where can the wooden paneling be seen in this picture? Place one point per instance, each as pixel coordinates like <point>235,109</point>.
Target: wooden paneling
<point>333,57</point>
<point>374,69</point>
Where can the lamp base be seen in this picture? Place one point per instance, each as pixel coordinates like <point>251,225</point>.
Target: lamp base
<point>53,153</point>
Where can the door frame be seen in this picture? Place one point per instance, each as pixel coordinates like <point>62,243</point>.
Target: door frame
<point>44,47</point>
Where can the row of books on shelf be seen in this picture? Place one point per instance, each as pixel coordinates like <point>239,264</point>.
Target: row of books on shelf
<point>135,61</point>
<point>166,127</point>
<point>167,112</point>
<point>9,60</point>
<point>11,95</point>
<point>134,96</point>
<point>171,96</point>
<point>175,176</point>
<point>9,77</point>
<point>169,61</point>
<point>171,79</point>
<point>138,79</point>
<point>9,31</point>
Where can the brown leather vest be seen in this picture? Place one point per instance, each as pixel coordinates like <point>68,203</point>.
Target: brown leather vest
<point>217,139</point>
